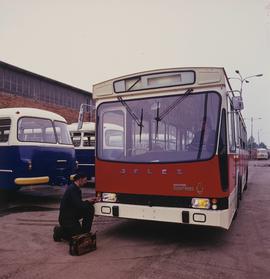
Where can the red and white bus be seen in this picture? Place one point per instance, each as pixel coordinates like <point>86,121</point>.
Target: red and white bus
<point>171,146</point>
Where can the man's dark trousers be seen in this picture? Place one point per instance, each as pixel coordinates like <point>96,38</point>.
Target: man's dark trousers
<point>77,227</point>
<point>72,210</point>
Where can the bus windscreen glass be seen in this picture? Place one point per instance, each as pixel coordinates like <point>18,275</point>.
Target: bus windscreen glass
<point>174,128</point>
<point>31,129</point>
<point>63,136</point>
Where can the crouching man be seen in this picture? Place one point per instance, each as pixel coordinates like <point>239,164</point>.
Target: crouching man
<point>72,210</point>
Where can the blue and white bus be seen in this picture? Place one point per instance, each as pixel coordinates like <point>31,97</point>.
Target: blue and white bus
<point>84,142</point>
<point>35,148</point>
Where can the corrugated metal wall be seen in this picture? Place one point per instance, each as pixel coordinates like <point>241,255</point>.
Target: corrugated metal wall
<point>41,89</point>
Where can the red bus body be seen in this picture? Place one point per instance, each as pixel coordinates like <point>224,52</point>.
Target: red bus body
<point>204,192</point>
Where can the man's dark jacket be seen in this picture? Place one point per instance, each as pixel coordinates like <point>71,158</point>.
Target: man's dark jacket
<point>72,207</point>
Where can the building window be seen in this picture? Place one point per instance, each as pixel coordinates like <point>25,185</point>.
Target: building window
<point>1,78</point>
<point>7,77</point>
<point>19,84</point>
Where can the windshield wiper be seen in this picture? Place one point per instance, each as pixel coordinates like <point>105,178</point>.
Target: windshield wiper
<point>175,103</point>
<point>129,89</point>
<point>203,127</point>
<point>171,107</point>
<point>157,118</point>
<point>133,115</point>
<point>141,125</point>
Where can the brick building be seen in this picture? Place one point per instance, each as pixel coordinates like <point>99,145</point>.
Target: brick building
<point>21,88</point>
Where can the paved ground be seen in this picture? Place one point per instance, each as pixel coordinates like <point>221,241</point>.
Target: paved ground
<point>137,249</point>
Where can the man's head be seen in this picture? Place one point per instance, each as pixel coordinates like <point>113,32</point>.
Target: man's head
<point>80,179</point>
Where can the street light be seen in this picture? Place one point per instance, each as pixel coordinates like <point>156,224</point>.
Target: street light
<point>252,119</point>
<point>251,128</point>
<point>246,79</point>
<point>259,137</point>
<point>238,100</point>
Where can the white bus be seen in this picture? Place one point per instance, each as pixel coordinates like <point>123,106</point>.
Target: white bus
<point>84,140</point>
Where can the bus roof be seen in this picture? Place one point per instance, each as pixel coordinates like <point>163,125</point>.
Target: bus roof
<point>157,80</point>
<point>87,126</point>
<point>31,112</point>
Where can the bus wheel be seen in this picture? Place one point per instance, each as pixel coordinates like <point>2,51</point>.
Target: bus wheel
<point>237,203</point>
<point>245,187</point>
<point>240,188</point>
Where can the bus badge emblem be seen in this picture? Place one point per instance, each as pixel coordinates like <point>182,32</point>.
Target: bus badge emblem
<point>199,188</point>
<point>123,171</point>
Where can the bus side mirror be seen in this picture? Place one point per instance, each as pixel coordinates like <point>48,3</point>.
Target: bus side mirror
<point>237,103</point>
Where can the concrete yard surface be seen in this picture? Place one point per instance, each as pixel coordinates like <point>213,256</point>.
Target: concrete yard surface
<point>140,249</point>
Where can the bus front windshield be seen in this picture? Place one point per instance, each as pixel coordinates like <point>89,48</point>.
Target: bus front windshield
<point>32,129</point>
<point>176,128</point>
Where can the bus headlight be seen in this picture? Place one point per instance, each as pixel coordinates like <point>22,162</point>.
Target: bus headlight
<point>200,203</point>
<point>98,197</point>
<point>109,197</point>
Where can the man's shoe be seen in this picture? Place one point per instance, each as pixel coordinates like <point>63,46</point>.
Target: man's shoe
<point>57,233</point>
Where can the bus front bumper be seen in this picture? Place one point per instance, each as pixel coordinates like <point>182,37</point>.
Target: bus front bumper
<point>23,181</point>
<point>215,218</point>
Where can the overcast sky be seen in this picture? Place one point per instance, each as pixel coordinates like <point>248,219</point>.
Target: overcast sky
<point>84,42</point>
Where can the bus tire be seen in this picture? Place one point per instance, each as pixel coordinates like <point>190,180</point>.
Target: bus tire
<point>235,214</point>
<point>237,203</point>
<point>6,195</point>
<point>239,188</point>
<point>246,183</point>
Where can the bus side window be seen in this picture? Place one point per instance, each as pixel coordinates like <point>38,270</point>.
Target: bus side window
<point>4,129</point>
<point>231,127</point>
<point>237,130</point>
<point>222,152</point>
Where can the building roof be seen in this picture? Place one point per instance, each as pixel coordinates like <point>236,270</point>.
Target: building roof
<point>49,80</point>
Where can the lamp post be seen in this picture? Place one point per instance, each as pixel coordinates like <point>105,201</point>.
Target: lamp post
<point>251,128</point>
<point>252,119</point>
<point>245,79</point>
<point>259,136</point>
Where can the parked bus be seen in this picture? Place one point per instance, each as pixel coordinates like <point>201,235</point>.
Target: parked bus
<point>35,148</point>
<point>183,152</point>
<point>84,142</point>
